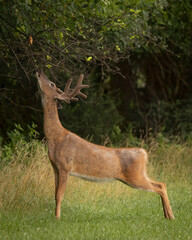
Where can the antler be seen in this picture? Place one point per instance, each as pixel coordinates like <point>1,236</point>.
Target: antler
<point>71,93</point>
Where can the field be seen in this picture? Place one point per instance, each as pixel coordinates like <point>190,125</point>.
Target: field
<point>92,210</point>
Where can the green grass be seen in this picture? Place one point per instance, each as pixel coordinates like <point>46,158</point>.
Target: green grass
<point>138,216</point>
<point>91,210</point>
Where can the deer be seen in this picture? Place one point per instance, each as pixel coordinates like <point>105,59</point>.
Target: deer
<point>69,154</point>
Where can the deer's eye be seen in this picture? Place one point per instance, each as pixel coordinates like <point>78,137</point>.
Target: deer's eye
<point>52,84</point>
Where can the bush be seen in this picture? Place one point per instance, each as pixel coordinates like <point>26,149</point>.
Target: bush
<point>172,119</point>
<point>94,119</point>
<point>21,146</point>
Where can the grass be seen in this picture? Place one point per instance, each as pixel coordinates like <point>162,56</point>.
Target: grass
<point>136,215</point>
<point>91,210</point>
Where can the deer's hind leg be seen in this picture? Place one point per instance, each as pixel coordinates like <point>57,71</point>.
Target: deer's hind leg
<point>135,176</point>
<point>161,189</point>
<point>144,183</point>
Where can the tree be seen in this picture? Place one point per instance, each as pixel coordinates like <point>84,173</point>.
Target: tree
<point>68,37</point>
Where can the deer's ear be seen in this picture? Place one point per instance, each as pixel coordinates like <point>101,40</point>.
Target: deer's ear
<point>62,96</point>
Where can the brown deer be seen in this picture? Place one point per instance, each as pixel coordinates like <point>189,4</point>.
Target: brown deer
<point>71,155</point>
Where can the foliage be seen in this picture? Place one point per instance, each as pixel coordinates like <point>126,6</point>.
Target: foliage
<point>167,72</point>
<point>64,38</point>
<point>94,119</point>
<point>172,118</point>
<point>156,92</point>
<point>21,147</point>
<point>68,34</point>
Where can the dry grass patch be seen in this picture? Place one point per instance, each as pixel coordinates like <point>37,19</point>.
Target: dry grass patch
<point>28,180</point>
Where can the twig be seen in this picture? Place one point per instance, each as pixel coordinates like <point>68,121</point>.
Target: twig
<point>22,106</point>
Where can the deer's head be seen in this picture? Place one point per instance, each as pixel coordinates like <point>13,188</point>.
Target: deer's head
<point>49,90</point>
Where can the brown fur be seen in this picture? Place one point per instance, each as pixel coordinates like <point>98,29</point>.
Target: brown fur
<point>70,154</point>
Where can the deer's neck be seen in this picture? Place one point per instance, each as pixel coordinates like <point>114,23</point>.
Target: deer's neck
<point>52,125</point>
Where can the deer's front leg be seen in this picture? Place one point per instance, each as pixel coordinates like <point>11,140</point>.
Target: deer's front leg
<point>60,190</point>
<point>56,176</point>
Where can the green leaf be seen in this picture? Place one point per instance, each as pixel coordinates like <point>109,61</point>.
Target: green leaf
<point>89,59</point>
<point>49,66</point>
<point>117,48</point>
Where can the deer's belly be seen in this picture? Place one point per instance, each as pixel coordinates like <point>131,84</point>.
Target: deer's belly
<point>92,178</point>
